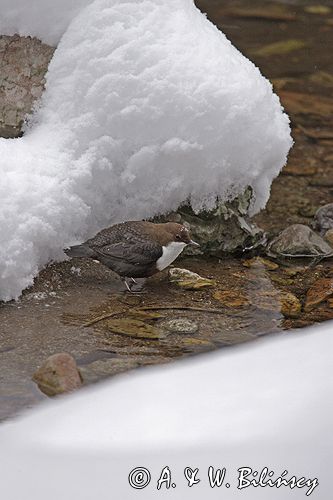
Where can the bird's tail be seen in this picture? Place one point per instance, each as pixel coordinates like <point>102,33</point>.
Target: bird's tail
<point>79,251</point>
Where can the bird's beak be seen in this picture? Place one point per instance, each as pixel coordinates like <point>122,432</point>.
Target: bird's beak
<point>194,243</point>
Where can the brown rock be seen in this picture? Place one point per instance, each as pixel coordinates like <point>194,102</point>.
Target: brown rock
<point>58,374</point>
<point>320,291</point>
<point>318,133</point>
<point>290,305</point>
<point>281,47</point>
<point>321,181</point>
<point>299,103</point>
<point>321,10</point>
<point>133,328</point>
<point>271,12</point>
<point>328,158</point>
<point>301,169</point>
<point>231,298</point>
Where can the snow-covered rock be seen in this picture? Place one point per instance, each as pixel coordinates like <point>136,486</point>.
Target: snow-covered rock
<point>147,104</point>
<point>268,404</point>
<point>23,64</point>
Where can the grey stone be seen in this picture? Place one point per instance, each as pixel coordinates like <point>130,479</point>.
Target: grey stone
<point>180,325</point>
<point>298,240</point>
<point>323,219</point>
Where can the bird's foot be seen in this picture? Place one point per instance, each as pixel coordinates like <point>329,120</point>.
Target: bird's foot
<point>130,285</point>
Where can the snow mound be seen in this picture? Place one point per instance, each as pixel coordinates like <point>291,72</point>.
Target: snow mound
<point>147,104</point>
<point>267,404</point>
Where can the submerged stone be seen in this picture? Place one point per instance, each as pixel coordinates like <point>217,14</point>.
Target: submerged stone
<point>133,328</point>
<point>231,298</point>
<point>180,325</point>
<point>259,262</point>
<point>320,291</point>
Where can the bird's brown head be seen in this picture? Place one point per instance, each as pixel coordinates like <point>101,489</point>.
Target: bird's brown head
<point>179,233</point>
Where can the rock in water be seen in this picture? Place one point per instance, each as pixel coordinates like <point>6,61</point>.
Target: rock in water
<point>180,325</point>
<point>147,106</point>
<point>298,241</point>
<point>320,291</point>
<point>323,219</point>
<point>58,374</point>
<point>189,280</point>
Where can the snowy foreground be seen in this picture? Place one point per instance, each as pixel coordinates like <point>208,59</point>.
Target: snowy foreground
<point>267,404</point>
<point>147,105</point>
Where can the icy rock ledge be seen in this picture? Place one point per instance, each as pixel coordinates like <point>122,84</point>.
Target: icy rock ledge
<point>225,229</point>
<point>147,105</point>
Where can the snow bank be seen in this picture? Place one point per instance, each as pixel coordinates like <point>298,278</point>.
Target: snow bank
<point>265,404</point>
<point>147,104</point>
<point>44,19</point>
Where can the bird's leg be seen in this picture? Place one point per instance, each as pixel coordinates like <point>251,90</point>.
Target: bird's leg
<point>127,285</point>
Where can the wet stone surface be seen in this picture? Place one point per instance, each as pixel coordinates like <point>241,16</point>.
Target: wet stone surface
<point>81,308</point>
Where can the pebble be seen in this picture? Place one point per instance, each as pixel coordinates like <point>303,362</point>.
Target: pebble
<point>231,298</point>
<point>58,374</point>
<point>180,325</point>
<point>301,169</point>
<point>291,307</point>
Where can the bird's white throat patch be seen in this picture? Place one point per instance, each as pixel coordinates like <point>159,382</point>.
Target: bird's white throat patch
<point>170,253</point>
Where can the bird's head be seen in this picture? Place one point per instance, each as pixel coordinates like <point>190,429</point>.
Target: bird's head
<point>180,234</point>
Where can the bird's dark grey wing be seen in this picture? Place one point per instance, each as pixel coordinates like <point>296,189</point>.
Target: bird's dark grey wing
<point>143,253</point>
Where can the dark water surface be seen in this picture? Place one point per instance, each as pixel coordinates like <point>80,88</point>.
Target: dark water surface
<point>292,46</point>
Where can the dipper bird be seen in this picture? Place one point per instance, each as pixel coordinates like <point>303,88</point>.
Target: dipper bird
<point>135,249</point>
